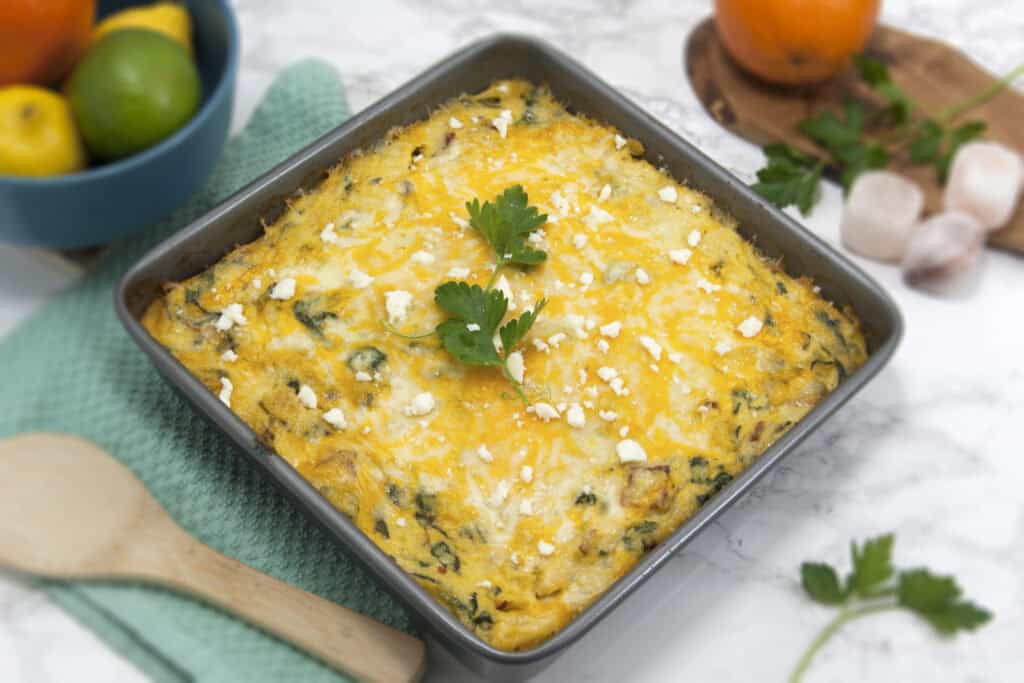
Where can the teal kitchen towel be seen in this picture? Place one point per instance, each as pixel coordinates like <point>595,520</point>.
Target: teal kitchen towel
<point>71,368</point>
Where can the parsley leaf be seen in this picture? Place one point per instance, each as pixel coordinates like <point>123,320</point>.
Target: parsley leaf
<point>871,70</point>
<point>833,133</point>
<point>930,137</point>
<point>856,159</point>
<point>469,347</point>
<point>472,304</point>
<point>872,564</point>
<point>924,147</point>
<point>870,590</point>
<point>821,583</point>
<point>790,177</point>
<point>514,330</point>
<point>506,223</point>
<point>876,74</point>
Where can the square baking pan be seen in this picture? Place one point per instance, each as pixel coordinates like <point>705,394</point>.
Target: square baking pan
<point>239,220</point>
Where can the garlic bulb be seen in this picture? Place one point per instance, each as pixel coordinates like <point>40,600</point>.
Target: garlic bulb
<point>881,211</point>
<point>943,251</point>
<point>985,181</point>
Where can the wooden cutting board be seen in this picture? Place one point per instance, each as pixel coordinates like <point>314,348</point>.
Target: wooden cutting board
<point>931,72</point>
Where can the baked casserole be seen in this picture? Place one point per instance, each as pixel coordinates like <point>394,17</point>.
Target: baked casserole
<point>668,356</point>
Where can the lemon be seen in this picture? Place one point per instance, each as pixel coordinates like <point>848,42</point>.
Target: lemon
<point>168,18</point>
<point>37,133</point>
<point>131,90</point>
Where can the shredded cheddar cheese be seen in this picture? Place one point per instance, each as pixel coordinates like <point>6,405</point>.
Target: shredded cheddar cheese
<point>670,356</point>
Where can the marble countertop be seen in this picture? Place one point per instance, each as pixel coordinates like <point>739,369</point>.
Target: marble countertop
<point>931,450</point>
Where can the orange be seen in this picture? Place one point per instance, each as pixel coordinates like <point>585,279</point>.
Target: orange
<point>40,40</point>
<point>795,41</point>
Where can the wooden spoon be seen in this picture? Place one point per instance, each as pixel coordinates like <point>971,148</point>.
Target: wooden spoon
<point>71,511</point>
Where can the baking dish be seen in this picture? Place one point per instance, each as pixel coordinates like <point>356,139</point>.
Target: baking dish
<point>239,220</point>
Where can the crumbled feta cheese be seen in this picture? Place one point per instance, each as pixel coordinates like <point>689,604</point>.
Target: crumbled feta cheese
<point>328,235</point>
<point>723,347</point>
<point>617,386</point>
<point>695,208</point>
<point>400,522</point>
<point>750,327</point>
<point>225,391</point>
<point>668,194</point>
<point>612,329</point>
<point>458,272</point>
<point>606,192</point>
<point>526,473</point>
<point>363,376</point>
<point>680,256</point>
<point>608,415</point>
<point>422,404</point>
<point>560,203</point>
<point>359,279</point>
<point>503,286</point>
<point>229,317</point>
<point>257,283</point>
<point>597,216</point>
<point>603,346</point>
<point>557,338</point>
<point>335,418</point>
<point>424,257</point>
<point>472,327</point>
<point>500,492</point>
<point>516,366</point>
<point>693,239</point>
<point>484,454</point>
<point>503,88</point>
<point>623,432</point>
<point>652,347</point>
<point>675,357</point>
<point>709,287</point>
<point>575,416</point>
<point>458,220</point>
<point>284,289</point>
<point>545,548</point>
<point>515,558</point>
<point>501,122</point>
<point>525,507</point>
<point>541,345</point>
<point>577,324</point>
<point>630,452</point>
<point>229,356</point>
<point>397,303</point>
<point>620,141</point>
<point>586,278</point>
<point>606,373</point>
<point>545,411</point>
<point>307,396</point>
<point>454,123</point>
<point>579,240</point>
<point>642,277</point>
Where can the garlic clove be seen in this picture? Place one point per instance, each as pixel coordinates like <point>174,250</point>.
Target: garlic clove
<point>881,211</point>
<point>985,181</point>
<point>942,253</point>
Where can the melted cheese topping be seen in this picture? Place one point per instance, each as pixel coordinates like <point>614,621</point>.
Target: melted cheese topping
<point>670,356</point>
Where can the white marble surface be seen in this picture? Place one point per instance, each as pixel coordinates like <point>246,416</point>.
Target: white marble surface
<point>931,450</point>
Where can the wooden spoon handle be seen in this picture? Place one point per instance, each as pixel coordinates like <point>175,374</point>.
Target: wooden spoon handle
<point>345,640</point>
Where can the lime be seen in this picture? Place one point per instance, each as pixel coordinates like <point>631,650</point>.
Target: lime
<point>132,89</point>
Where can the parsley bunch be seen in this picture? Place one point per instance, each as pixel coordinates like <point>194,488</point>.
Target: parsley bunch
<point>476,312</point>
<point>875,586</point>
<point>861,137</point>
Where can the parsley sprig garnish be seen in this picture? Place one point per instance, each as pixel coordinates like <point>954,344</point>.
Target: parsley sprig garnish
<point>476,312</point>
<point>875,586</point>
<point>863,137</point>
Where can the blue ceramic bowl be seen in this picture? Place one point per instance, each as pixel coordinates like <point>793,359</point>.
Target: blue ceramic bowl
<point>126,196</point>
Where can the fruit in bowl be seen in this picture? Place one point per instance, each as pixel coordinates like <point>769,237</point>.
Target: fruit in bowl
<point>134,85</point>
<point>132,89</point>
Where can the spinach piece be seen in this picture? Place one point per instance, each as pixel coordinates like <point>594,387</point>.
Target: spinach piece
<point>309,313</point>
<point>638,536</point>
<point>381,527</point>
<point>445,556</point>
<point>366,359</point>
